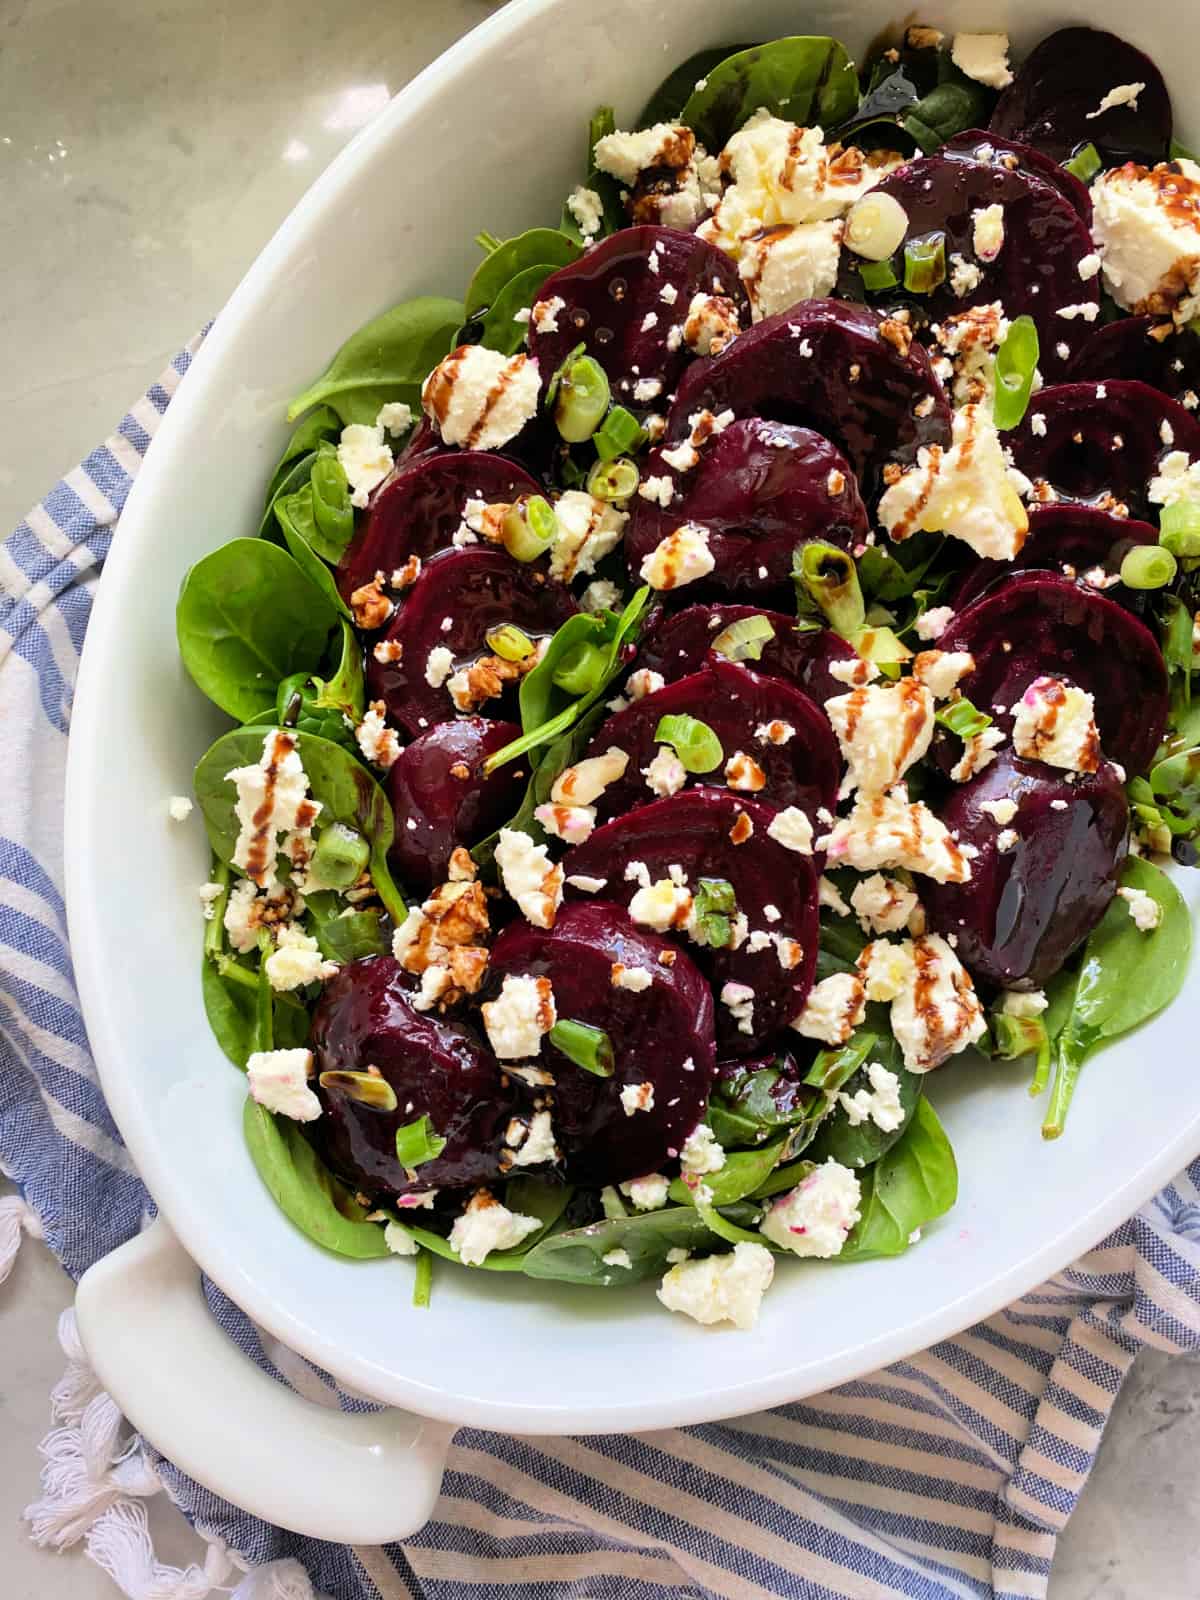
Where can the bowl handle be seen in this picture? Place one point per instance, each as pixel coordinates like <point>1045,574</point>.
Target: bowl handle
<point>353,1478</point>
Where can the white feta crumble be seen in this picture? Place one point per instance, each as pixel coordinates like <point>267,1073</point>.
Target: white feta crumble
<point>967,491</point>
<point>399,1241</point>
<point>365,458</point>
<point>1055,722</point>
<point>932,623</point>
<point>586,885</point>
<point>666,774</point>
<point>888,831</point>
<point>987,225</point>
<point>636,979</point>
<point>1125,94</point>
<point>278,1081</point>
<point>726,1288</point>
<point>538,1146</point>
<point>680,558</point>
<point>1146,225</point>
<point>833,1009</point>
<point>648,1193</point>
<point>375,739</point>
<point>979,751</point>
<point>571,824</point>
<point>739,998</point>
<point>1087,309</point>
<point>815,1218</point>
<point>1143,908</point>
<point>880,1104</point>
<point>941,670</point>
<point>616,1258</point>
<point>1001,811</point>
<point>600,595</point>
<point>439,664</point>
<point>179,808</point>
<point>529,877</point>
<point>935,1010</point>
<point>586,206</point>
<point>519,1017</point>
<point>882,905</point>
<point>659,490</point>
<point>792,829</point>
<point>965,276</point>
<point>543,314</point>
<point>856,672</point>
<point>586,781</point>
<point>485,1226</point>
<point>1088,267</point>
<point>480,398</point>
<point>1020,1003</point>
<point>272,798</point>
<point>588,529</point>
<point>395,418</point>
<point>983,57</point>
<point>296,960</point>
<point>701,1153</point>
<point>209,894</point>
<point>637,1097</point>
<point>882,729</point>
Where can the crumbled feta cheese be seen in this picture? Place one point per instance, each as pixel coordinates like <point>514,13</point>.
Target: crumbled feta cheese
<point>792,829</point>
<point>395,418</point>
<point>365,458</point>
<point>1125,94</point>
<point>833,1010</point>
<point>743,773</point>
<point>662,905</point>
<point>931,624</point>
<point>726,1288</point>
<point>646,389</point>
<point>588,529</point>
<point>967,491</point>
<point>666,774</point>
<point>480,398</point>
<point>711,324</point>
<point>965,276</point>
<point>1055,722</point>
<point>776,732</point>
<point>587,780</point>
<point>1143,908</point>
<point>1147,229</point>
<point>586,206</point>
<point>941,670</point>
<point>660,490</point>
<point>600,595</point>
<point>682,557</point>
<point>855,673</point>
<point>179,808</point>
<point>701,1153</point>
<point>979,751</point>
<point>1087,309</point>
<point>988,232</point>
<point>625,155</point>
<point>517,1019</point>
<point>935,1010</point>
<point>1018,1003</point>
<point>1000,811</point>
<point>648,1193</point>
<point>543,314</point>
<point>882,905</point>
<point>1088,267</point>
<point>880,1104</point>
<point>739,997</point>
<point>485,1226</point>
<point>296,960</point>
<point>1177,480</point>
<point>616,1258</point>
<point>984,57</point>
<point>399,1241</point>
<point>815,1218</point>
<point>586,885</point>
<point>209,894</point>
<point>538,1146</point>
<point>785,265</point>
<point>644,682</point>
<point>272,798</point>
<point>375,739</point>
<point>439,664</point>
<point>572,824</point>
<point>882,729</point>
<point>636,979</point>
<point>637,1097</point>
<point>529,877</point>
<point>278,1081</point>
<point>888,831</point>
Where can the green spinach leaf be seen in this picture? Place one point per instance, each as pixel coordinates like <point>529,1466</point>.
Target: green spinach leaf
<point>344,933</point>
<point>743,1173</point>
<point>529,1197</point>
<point>386,359</point>
<point>804,79</point>
<point>863,1144</point>
<point>576,1254</point>
<point>544,249</point>
<point>499,328</point>
<point>305,1190</point>
<point>321,426</point>
<point>678,87</point>
<point>911,1184</point>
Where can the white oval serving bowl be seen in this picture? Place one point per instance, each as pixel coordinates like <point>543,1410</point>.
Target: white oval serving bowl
<point>489,136</point>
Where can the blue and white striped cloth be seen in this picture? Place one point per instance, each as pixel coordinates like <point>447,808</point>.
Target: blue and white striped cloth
<point>945,1476</point>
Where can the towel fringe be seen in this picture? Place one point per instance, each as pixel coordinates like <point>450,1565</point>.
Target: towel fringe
<point>16,1217</point>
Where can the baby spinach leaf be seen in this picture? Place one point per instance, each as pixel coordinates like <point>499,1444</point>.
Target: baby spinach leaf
<point>911,1184</point>
<point>294,514</point>
<point>784,1178</point>
<point>955,103</point>
<point>320,427</point>
<point>344,933</point>
<point>294,477</point>
<point>530,1197</point>
<point>748,1107</point>
<point>1125,977</point>
<point>230,1006</point>
<point>325,705</point>
<point>677,88</point>
<point>576,1254</point>
<point>499,328</point>
<point>861,1144</point>
<point>305,1190</point>
<point>743,1173</point>
<point>543,248</point>
<point>247,616</point>
<point>804,79</point>
<point>386,359</point>
<point>1175,784</point>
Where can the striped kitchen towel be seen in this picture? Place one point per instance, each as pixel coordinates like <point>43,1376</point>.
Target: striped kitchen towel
<point>944,1476</point>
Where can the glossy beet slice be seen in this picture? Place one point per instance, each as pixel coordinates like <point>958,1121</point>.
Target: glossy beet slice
<point>1037,624</point>
<point>441,798</point>
<point>1072,540</point>
<point>692,831</point>
<point>993,150</point>
<point>1144,348</point>
<point>679,644</point>
<point>760,489</point>
<point>736,703</point>
<point>661,1035</point>
<point>472,590</point>
<point>437,1068</point>
<point>1037,269</point>
<point>825,365</point>
<point>1089,440</point>
<point>1028,906</point>
<point>1058,86</point>
<point>613,305</point>
<point>419,507</point>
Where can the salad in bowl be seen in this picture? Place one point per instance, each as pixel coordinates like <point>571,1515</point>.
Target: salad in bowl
<point>731,664</point>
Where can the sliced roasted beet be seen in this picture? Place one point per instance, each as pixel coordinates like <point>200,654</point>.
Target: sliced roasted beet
<point>1092,440</point>
<point>1042,625</point>
<point>1037,268</point>
<point>442,799</point>
<point>1150,350</point>
<point>436,1067</point>
<point>993,150</point>
<point>1029,904</point>
<point>803,770</point>
<point>760,489</point>
<point>614,306</point>
<point>825,365</point>
<point>661,1035</point>
<point>680,644</point>
<point>417,510</point>
<point>695,832</point>
<point>1060,85</point>
<point>458,597</point>
<point>1072,540</point>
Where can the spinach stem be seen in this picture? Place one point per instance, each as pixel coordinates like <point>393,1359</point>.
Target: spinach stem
<point>214,928</point>
<point>1041,1076</point>
<point>423,1280</point>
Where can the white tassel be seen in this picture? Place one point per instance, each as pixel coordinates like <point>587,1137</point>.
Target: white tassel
<point>278,1580</point>
<point>78,1385</point>
<point>15,1215</point>
<point>119,1542</point>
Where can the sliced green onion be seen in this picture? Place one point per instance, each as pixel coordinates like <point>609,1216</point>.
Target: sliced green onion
<point>583,396</point>
<point>341,856</point>
<point>556,376</point>
<point>693,741</point>
<point>1179,529</point>
<point>619,434</point>
<point>423,1279</point>
<point>1148,566</point>
<point>581,669</point>
<point>528,528</point>
<point>488,241</point>
<point>613,480</point>
<point>1016,361</point>
<point>365,1088</point>
<point>962,718</point>
<point>830,578</point>
<point>508,642</point>
<point>588,1047</point>
<point>878,274</point>
<point>925,263</point>
<point>417,1143</point>
<point>744,640</point>
<point>715,905</point>
<point>1014,1037</point>
<point>1085,163</point>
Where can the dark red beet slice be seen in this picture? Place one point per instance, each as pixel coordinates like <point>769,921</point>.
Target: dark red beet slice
<point>418,509</point>
<point>1040,625</point>
<point>1028,907</point>
<point>692,830</point>
<point>993,150</point>
<point>760,489</point>
<point>1129,347</point>
<point>804,771</point>
<point>613,291</point>
<point>1037,269</point>
<point>1064,536</point>
<point>825,365</point>
<point>1059,84</point>
<point>473,589</point>
<point>680,644</point>
<point>1087,440</point>
<point>661,1035</point>
<point>442,799</point>
<point>438,1068</point>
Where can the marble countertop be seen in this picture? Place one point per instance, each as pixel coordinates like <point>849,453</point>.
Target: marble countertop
<point>147,152</point>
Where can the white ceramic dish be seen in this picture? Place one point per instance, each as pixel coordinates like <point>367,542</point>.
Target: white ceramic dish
<point>490,136</point>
